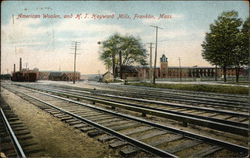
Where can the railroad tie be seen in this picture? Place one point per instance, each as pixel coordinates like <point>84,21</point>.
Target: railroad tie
<point>95,133</point>
<point>117,144</point>
<point>183,146</point>
<point>106,138</point>
<point>207,151</point>
<point>129,150</point>
<point>80,125</point>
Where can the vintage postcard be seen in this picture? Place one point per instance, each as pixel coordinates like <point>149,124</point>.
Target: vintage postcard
<point>124,79</point>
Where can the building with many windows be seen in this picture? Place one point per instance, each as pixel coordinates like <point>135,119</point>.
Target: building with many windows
<point>166,71</point>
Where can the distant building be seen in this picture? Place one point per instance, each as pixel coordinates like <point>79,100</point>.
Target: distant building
<point>43,75</point>
<point>137,72</point>
<point>166,71</point>
<point>58,75</point>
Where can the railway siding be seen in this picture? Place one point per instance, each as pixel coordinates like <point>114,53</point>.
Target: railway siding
<point>71,110</point>
<point>233,127</point>
<point>15,138</point>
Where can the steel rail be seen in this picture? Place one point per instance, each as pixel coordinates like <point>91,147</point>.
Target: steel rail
<point>140,144</point>
<point>174,90</point>
<point>17,146</point>
<point>176,98</point>
<point>166,91</point>
<point>110,101</point>
<point>227,145</point>
<point>201,97</point>
<point>228,100</point>
<point>178,117</point>
<point>185,99</point>
<point>95,92</point>
<point>238,114</point>
<point>187,119</point>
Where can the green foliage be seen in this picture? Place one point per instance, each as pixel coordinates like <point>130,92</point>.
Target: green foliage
<point>199,87</point>
<point>241,51</point>
<point>245,41</point>
<point>221,43</point>
<point>131,49</point>
<point>227,45</point>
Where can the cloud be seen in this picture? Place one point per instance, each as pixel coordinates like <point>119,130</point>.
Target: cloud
<point>25,33</point>
<point>89,27</point>
<point>39,43</point>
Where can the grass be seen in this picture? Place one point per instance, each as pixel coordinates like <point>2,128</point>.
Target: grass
<point>199,87</point>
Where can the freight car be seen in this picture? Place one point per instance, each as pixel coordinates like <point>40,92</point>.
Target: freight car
<point>24,77</point>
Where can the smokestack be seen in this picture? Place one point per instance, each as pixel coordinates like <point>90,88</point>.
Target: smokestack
<point>14,68</point>
<point>20,67</point>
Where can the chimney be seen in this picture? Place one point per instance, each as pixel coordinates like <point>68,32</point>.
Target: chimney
<point>14,68</point>
<point>20,68</point>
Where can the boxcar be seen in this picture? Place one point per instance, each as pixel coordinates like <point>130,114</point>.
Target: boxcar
<point>24,77</point>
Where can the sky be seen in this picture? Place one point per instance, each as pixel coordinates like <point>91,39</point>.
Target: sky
<point>46,43</point>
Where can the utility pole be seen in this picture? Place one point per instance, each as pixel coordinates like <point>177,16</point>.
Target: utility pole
<point>120,58</point>
<point>156,38</point>
<point>150,62</point>
<point>20,65</point>
<point>14,68</point>
<point>75,45</point>
<point>13,18</point>
<point>216,73</point>
<point>180,67</point>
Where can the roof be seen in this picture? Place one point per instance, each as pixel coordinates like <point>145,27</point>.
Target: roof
<point>190,67</point>
<point>56,74</point>
<point>146,66</point>
<point>60,71</point>
<point>129,69</point>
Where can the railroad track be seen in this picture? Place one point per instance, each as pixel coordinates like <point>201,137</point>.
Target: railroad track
<point>130,134</point>
<point>202,94</point>
<point>213,99</point>
<point>226,121</point>
<point>15,138</point>
<point>240,105</point>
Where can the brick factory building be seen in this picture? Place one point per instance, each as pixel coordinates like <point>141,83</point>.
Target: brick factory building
<point>165,71</point>
<point>58,75</point>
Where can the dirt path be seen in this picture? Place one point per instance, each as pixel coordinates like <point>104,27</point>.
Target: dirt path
<point>56,137</point>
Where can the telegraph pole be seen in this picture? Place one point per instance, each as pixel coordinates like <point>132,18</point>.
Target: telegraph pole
<point>13,18</point>
<point>120,56</point>
<point>180,67</point>
<point>150,62</point>
<point>156,39</point>
<point>75,45</point>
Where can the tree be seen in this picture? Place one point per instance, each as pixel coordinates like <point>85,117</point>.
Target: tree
<point>246,40</point>
<point>241,52</point>
<point>220,44</point>
<point>131,49</point>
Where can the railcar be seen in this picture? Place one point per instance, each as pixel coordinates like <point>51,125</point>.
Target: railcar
<point>24,77</point>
